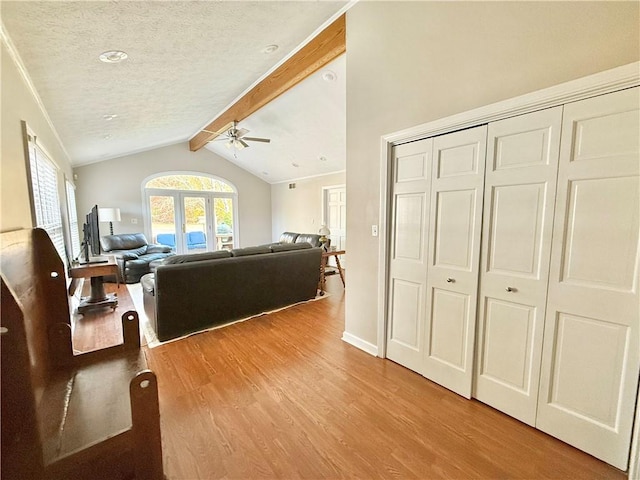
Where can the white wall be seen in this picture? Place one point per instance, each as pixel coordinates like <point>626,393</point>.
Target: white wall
<point>414,62</point>
<point>19,104</point>
<point>118,183</point>
<point>300,209</point>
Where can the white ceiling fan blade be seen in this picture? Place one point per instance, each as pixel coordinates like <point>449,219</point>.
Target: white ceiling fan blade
<point>241,131</point>
<point>229,144</point>
<point>256,139</point>
<point>241,144</point>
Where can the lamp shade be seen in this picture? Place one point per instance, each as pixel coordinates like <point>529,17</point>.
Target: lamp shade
<point>109,214</point>
<point>324,230</point>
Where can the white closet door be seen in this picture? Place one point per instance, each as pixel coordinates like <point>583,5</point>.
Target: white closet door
<point>590,356</point>
<point>452,285</point>
<point>408,258</point>
<point>520,187</point>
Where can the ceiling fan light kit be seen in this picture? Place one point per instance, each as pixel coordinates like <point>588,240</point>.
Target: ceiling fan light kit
<point>235,137</point>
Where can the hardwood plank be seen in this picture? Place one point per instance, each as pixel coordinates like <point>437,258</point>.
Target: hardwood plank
<point>281,396</point>
<point>326,46</point>
<point>101,328</point>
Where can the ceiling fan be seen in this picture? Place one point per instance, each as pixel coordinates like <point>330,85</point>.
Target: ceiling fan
<point>235,137</point>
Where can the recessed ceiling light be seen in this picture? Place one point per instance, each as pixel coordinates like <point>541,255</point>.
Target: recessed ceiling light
<point>322,159</point>
<point>295,165</point>
<point>113,56</point>
<point>265,173</point>
<point>329,76</point>
<point>109,116</point>
<point>107,136</point>
<point>270,49</point>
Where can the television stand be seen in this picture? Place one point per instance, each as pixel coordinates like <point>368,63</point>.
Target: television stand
<point>95,271</point>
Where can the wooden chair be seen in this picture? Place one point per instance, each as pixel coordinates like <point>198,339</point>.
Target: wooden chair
<point>64,416</point>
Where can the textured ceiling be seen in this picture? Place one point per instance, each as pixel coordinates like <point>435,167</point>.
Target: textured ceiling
<point>187,62</point>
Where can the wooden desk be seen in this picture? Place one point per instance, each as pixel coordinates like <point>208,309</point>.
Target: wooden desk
<point>323,267</point>
<point>98,298</point>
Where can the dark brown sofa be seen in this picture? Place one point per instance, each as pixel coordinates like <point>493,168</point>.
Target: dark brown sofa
<point>188,293</point>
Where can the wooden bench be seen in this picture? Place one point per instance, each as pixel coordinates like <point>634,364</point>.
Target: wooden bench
<point>88,416</point>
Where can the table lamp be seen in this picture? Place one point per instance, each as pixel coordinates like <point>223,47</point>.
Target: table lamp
<point>109,215</point>
<point>324,231</point>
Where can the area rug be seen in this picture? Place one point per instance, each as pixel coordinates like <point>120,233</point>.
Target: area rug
<point>135,289</point>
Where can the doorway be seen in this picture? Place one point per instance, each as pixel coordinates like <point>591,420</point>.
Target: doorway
<point>334,205</point>
<point>191,213</point>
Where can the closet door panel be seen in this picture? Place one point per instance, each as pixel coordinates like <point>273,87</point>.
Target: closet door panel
<point>522,161</point>
<point>454,246</point>
<point>591,354</point>
<point>411,174</point>
<point>508,334</point>
<point>454,226</point>
<point>516,229</point>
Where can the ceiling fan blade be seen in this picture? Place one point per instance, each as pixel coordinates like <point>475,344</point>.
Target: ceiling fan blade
<point>256,139</point>
<point>241,131</point>
<point>241,142</point>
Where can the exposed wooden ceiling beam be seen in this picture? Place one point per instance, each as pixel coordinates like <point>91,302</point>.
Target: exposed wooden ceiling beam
<point>327,45</point>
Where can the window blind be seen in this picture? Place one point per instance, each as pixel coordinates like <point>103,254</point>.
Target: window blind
<point>44,184</point>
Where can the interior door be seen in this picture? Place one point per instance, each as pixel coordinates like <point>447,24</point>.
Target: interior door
<point>408,254</point>
<point>590,357</point>
<point>336,218</point>
<point>520,187</point>
<point>453,260</point>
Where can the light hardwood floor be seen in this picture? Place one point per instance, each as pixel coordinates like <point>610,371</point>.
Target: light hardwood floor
<point>282,396</point>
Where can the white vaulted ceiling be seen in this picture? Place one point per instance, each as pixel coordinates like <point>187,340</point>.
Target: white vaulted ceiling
<point>307,128</point>
<point>187,62</point>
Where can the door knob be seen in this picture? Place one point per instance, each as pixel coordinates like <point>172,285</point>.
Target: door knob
<point>451,280</point>
<point>510,289</point>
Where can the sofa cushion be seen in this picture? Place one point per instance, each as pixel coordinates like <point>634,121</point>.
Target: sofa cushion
<point>243,252</point>
<point>285,247</point>
<point>123,241</point>
<point>288,237</point>
<point>311,238</point>
<point>195,257</point>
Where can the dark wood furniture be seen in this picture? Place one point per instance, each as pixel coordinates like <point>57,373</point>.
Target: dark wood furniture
<point>324,265</point>
<point>65,416</point>
<point>95,271</point>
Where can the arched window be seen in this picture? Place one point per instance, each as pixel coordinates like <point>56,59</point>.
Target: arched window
<point>191,212</point>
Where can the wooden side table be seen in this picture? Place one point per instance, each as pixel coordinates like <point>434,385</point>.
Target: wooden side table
<point>323,267</point>
<point>98,298</point>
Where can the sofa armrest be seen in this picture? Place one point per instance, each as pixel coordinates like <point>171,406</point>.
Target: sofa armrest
<point>125,254</point>
<point>158,248</point>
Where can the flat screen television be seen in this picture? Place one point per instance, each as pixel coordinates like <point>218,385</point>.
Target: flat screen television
<point>91,230</point>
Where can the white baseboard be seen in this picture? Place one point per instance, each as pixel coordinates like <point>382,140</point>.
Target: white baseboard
<point>357,342</point>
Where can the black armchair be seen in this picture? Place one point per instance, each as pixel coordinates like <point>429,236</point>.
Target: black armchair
<point>133,254</point>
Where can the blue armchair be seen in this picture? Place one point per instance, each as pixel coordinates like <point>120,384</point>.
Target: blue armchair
<point>168,239</point>
<point>196,240</point>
